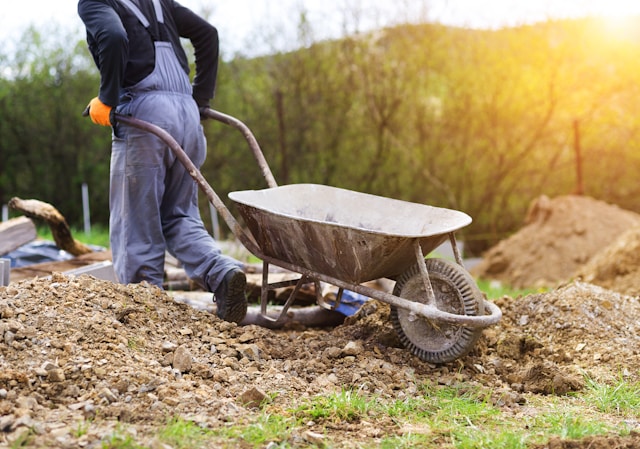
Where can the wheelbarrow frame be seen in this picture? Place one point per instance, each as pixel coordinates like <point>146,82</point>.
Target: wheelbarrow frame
<point>426,311</point>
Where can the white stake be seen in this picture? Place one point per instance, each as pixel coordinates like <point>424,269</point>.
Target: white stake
<point>85,208</point>
<point>214,222</point>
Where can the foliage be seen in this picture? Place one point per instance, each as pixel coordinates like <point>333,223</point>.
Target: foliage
<point>120,439</point>
<point>480,121</point>
<point>475,120</point>
<point>47,150</point>
<point>345,406</point>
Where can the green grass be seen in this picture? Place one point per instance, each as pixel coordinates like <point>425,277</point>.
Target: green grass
<point>459,417</point>
<point>268,428</point>
<point>494,289</point>
<point>568,425</point>
<point>184,434</point>
<point>346,406</point>
<point>82,428</point>
<point>622,398</point>
<point>98,236</point>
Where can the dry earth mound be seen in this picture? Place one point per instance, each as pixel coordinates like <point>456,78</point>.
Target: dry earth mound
<point>558,237</point>
<point>617,267</point>
<point>77,348</point>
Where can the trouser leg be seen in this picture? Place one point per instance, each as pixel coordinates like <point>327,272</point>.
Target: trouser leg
<point>136,191</point>
<point>187,238</point>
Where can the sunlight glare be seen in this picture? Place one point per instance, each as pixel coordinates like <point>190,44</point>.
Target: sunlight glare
<point>621,27</point>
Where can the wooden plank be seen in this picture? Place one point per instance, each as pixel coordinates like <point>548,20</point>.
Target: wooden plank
<point>46,268</point>
<point>16,232</point>
<point>100,270</point>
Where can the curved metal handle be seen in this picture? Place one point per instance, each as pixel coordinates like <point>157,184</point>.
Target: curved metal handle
<point>251,140</point>
<point>194,172</point>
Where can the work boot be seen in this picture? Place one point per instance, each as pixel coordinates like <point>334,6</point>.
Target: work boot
<point>230,298</point>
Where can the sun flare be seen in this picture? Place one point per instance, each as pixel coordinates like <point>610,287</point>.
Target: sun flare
<point>621,26</point>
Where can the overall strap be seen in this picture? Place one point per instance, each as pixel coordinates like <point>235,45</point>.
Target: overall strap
<point>157,6</point>
<point>136,11</point>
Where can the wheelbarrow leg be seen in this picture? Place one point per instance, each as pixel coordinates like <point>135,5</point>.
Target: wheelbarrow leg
<point>264,294</point>
<point>422,266</point>
<point>454,247</point>
<point>264,290</point>
<point>326,304</point>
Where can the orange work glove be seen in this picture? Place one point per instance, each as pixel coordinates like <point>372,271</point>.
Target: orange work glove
<point>99,112</point>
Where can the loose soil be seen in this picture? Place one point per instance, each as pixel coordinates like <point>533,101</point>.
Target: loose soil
<point>79,348</point>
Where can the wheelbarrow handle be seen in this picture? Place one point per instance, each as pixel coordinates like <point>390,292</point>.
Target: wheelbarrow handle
<point>250,138</point>
<point>231,121</point>
<point>194,172</point>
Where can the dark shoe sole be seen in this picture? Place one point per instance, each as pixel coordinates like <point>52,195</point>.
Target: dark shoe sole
<point>235,301</point>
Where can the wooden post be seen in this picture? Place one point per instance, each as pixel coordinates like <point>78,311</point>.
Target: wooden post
<point>577,149</point>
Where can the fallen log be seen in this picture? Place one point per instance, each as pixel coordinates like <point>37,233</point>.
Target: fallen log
<point>16,232</point>
<point>57,223</point>
<point>314,316</point>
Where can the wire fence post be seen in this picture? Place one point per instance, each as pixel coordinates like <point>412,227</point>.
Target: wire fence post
<point>215,224</point>
<point>85,209</point>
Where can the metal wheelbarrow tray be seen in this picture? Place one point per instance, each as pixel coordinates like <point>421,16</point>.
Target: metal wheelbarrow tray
<point>346,238</point>
<point>348,235</point>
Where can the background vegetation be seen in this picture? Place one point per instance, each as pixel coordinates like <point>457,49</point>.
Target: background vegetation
<point>475,120</point>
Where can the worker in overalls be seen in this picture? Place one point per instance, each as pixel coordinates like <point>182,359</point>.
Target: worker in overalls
<point>144,73</point>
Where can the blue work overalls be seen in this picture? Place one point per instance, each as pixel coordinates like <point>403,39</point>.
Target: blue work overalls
<point>153,199</point>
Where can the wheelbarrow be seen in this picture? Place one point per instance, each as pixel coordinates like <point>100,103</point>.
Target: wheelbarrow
<point>346,238</point>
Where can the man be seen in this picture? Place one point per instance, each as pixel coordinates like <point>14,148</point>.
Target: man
<point>144,73</point>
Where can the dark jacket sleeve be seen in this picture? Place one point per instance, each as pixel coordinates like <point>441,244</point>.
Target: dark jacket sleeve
<point>108,44</point>
<point>204,38</point>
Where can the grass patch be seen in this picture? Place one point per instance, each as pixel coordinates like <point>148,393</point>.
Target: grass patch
<point>98,236</point>
<point>183,434</point>
<point>495,289</point>
<point>621,399</point>
<point>82,428</point>
<point>269,428</point>
<point>346,406</point>
<point>460,417</point>
<point>454,417</point>
<point>568,425</point>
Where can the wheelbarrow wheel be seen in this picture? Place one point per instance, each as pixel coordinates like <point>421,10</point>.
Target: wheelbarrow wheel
<point>455,292</point>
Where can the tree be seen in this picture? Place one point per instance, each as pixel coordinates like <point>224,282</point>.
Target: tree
<point>47,149</point>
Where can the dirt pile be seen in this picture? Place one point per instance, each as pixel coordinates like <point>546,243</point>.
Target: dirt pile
<point>579,326</point>
<point>617,267</point>
<point>77,348</point>
<point>559,236</point>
